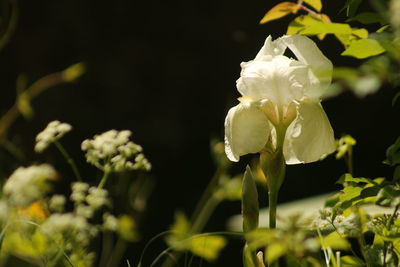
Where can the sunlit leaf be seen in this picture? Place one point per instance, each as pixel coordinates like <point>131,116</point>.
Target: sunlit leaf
<point>249,202</point>
<point>366,18</point>
<point>363,48</point>
<point>351,261</point>
<point>359,33</point>
<point>274,251</point>
<point>335,241</point>
<point>320,28</point>
<point>344,145</point>
<point>346,178</point>
<point>389,196</point>
<point>349,193</point>
<point>279,11</point>
<point>207,247</point>
<point>316,4</point>
<point>381,29</point>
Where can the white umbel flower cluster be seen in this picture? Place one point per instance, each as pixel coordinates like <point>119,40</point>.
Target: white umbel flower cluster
<point>28,184</point>
<point>53,132</point>
<point>112,151</point>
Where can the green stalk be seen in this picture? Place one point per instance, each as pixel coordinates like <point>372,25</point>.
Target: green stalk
<point>69,160</point>
<point>104,179</point>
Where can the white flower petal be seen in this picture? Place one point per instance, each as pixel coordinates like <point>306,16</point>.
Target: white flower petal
<point>308,52</point>
<point>281,80</point>
<point>270,48</point>
<point>246,130</point>
<point>310,136</point>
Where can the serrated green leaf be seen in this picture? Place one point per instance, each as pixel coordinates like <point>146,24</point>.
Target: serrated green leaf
<point>335,241</point>
<point>366,18</point>
<point>250,204</point>
<point>207,247</point>
<point>279,11</point>
<point>323,28</point>
<point>363,48</point>
<point>274,251</point>
<point>351,261</point>
<point>350,193</point>
<point>316,4</point>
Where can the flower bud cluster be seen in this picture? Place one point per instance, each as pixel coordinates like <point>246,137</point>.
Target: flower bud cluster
<point>28,184</point>
<point>343,225</point>
<point>57,203</point>
<point>53,132</point>
<point>112,152</point>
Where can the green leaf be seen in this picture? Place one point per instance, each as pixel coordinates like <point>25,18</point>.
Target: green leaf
<point>207,247</point>
<point>321,28</point>
<point>300,23</point>
<point>363,48</point>
<point>389,196</point>
<point>351,261</point>
<point>360,33</point>
<point>393,154</point>
<point>351,7</point>
<point>249,202</point>
<point>350,193</point>
<point>366,18</point>
<point>347,177</point>
<point>335,241</point>
<point>316,4</point>
<point>274,251</point>
<point>179,232</point>
<point>395,98</point>
<point>279,11</point>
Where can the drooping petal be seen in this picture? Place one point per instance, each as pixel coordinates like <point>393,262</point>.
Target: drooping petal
<point>310,136</point>
<point>320,66</point>
<point>279,79</point>
<point>246,130</point>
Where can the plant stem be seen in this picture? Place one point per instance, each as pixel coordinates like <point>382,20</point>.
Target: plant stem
<point>273,201</point>
<point>69,159</point>
<point>103,179</point>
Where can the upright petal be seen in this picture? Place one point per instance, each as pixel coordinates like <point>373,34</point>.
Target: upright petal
<point>307,52</point>
<point>279,79</point>
<point>310,136</point>
<point>270,48</point>
<point>246,130</point>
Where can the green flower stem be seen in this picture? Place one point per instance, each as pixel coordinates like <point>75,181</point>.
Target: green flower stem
<point>104,179</point>
<point>69,159</point>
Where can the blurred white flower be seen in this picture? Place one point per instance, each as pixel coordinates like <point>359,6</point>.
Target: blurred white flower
<point>282,94</point>
<point>97,198</point>
<point>112,151</point>
<point>28,184</point>
<point>53,132</point>
<point>110,223</point>
<point>57,203</point>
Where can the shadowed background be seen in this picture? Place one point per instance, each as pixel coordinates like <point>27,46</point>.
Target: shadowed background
<point>166,70</point>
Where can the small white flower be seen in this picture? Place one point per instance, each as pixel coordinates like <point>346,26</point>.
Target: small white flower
<point>112,151</point>
<point>54,131</point>
<point>280,92</point>
<point>97,198</point>
<point>79,192</point>
<point>110,223</point>
<point>28,184</point>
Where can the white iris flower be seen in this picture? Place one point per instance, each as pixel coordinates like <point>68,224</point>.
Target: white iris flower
<point>280,103</point>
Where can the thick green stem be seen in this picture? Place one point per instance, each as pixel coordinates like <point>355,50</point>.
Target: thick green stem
<point>273,201</point>
<point>69,160</point>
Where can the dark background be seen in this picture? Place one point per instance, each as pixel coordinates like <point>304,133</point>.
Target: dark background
<point>166,70</point>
